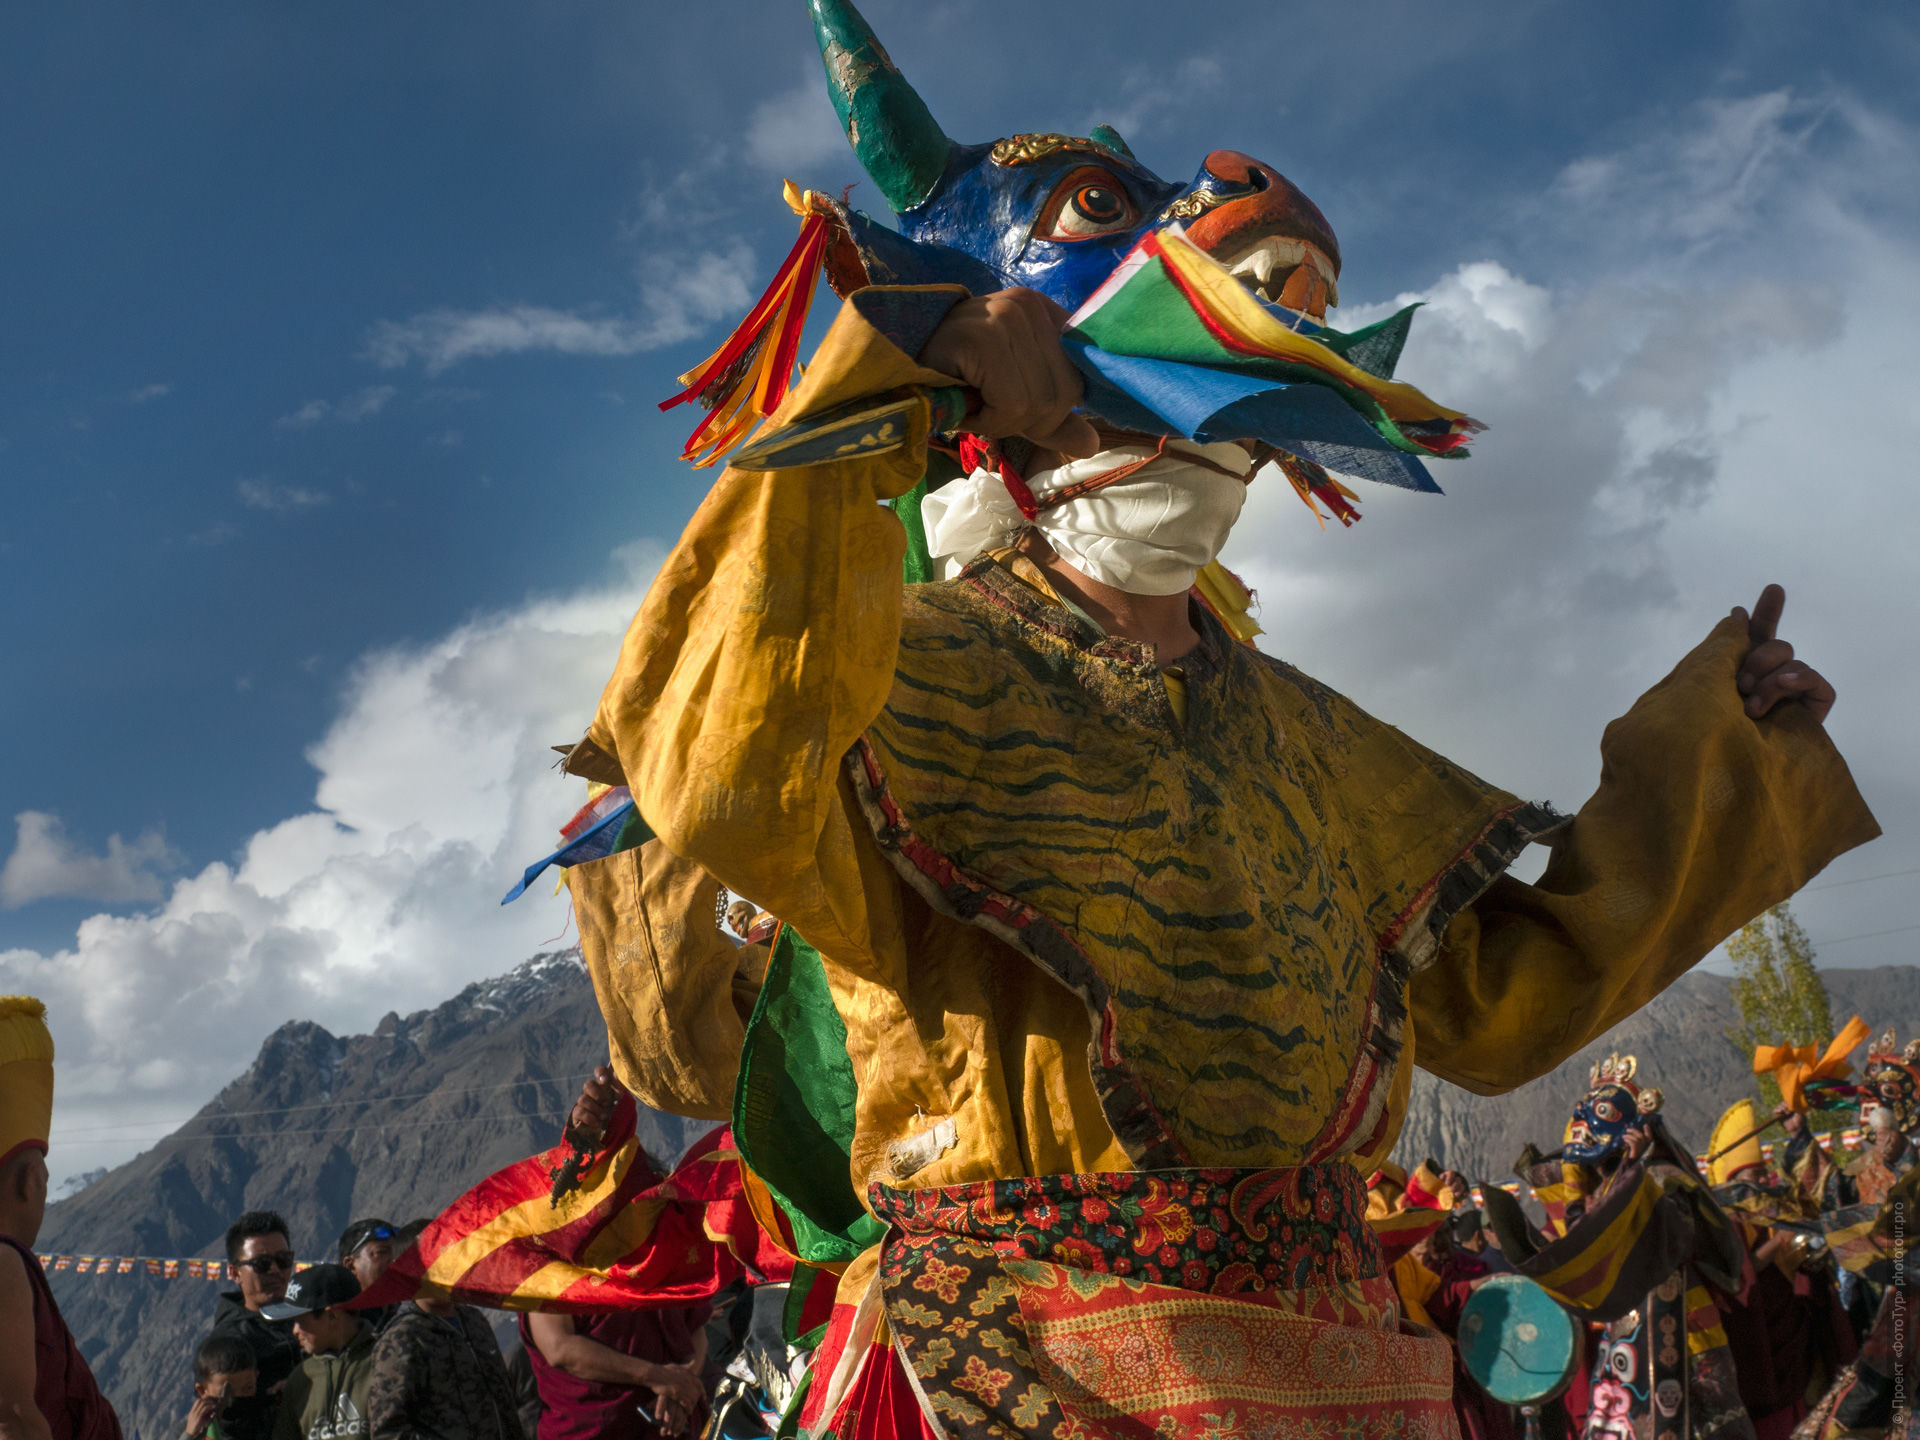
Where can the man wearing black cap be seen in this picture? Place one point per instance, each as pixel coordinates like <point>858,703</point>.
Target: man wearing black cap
<point>366,1248</point>
<point>326,1398</point>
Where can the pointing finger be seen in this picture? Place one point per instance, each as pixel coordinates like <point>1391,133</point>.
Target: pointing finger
<point>1765,622</point>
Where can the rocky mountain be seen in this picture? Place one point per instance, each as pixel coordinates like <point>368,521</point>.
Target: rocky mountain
<point>1681,1043</point>
<point>74,1184</point>
<point>326,1129</point>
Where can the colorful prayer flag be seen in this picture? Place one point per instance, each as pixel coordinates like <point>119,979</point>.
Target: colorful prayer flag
<point>1174,343</point>
<point>599,840</point>
<point>624,1239</point>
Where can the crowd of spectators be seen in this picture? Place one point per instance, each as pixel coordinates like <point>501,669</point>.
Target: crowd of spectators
<point>290,1357</point>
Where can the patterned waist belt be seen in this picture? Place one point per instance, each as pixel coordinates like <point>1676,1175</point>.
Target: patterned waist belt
<point>1222,1232</point>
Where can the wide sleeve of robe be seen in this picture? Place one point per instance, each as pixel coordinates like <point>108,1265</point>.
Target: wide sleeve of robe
<point>1703,818</point>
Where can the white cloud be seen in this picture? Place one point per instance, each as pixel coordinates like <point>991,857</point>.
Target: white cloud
<point>146,393</point>
<point>46,864</point>
<point>678,298</point>
<point>218,533</point>
<point>361,405</point>
<point>264,494</point>
<point>364,403</point>
<point>1147,97</point>
<point>311,413</point>
<point>1665,439</point>
<point>436,786</point>
<point>1733,178</point>
<point>443,338</point>
<point>1704,181</point>
<point>795,130</point>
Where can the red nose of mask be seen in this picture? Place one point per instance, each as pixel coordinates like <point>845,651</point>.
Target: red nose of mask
<point>1272,207</point>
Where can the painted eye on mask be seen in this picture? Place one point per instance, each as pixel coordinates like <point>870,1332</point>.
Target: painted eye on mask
<point>1087,204</point>
<point>1620,1364</point>
<point>1605,1111</point>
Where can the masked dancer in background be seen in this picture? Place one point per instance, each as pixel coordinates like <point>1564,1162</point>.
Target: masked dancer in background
<point>1642,1247</point>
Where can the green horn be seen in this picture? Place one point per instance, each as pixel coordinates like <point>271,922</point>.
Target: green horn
<point>898,142</point>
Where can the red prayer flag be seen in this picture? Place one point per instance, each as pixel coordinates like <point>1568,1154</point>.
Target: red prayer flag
<point>626,1239</point>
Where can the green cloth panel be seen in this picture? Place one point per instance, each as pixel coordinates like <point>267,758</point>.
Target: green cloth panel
<point>793,1109</point>
<point>917,567</point>
<point>634,832</point>
<point>1373,348</point>
<point>790,1421</point>
<point>799,1291</point>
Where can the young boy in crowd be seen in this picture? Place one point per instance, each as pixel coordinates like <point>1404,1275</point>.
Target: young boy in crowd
<point>326,1398</point>
<point>224,1382</point>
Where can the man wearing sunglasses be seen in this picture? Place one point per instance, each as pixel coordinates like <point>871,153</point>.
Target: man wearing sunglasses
<point>366,1248</point>
<point>260,1261</point>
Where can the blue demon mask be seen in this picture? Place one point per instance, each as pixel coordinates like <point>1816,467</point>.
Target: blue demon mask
<point>1059,214</point>
<point>1600,1124</point>
<point>1053,213</point>
<point>1613,1105</point>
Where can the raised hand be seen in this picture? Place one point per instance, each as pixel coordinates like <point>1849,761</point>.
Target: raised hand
<point>1770,675</point>
<point>1007,346</point>
<point>588,1120</point>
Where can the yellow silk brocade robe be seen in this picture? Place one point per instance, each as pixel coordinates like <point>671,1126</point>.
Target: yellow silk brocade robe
<point>767,648</point>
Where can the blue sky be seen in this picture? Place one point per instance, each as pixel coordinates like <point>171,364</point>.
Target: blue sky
<point>333,332</point>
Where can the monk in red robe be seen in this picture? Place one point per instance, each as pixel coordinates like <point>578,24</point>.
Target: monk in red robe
<point>46,1390</point>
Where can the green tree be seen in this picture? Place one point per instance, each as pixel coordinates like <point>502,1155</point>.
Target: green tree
<point>1778,992</point>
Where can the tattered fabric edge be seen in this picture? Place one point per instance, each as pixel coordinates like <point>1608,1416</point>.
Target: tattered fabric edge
<point>1415,933</point>
<point>1408,945</point>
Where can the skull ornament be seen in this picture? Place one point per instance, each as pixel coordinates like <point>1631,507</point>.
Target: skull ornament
<point>1893,1078</point>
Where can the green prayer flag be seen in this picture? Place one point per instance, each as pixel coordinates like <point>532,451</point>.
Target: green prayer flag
<point>793,1109</point>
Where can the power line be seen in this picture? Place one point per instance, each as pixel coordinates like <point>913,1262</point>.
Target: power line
<point>333,1104</point>
<point>1870,935</point>
<point>1864,879</point>
<point>333,1130</point>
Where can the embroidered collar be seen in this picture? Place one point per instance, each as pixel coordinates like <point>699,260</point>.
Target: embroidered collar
<point>1051,613</point>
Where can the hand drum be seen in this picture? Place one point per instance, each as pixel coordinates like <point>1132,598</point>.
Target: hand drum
<point>1516,1341</point>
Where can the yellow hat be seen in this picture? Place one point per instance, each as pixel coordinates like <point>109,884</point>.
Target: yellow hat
<point>26,1075</point>
<point>1740,1119</point>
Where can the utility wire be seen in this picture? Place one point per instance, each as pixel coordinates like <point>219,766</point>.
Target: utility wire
<point>1864,879</point>
<point>333,1104</point>
<point>333,1130</point>
<point>1870,935</point>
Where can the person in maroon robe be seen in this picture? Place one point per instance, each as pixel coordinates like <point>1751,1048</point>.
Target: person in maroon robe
<point>46,1390</point>
<point>627,1375</point>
